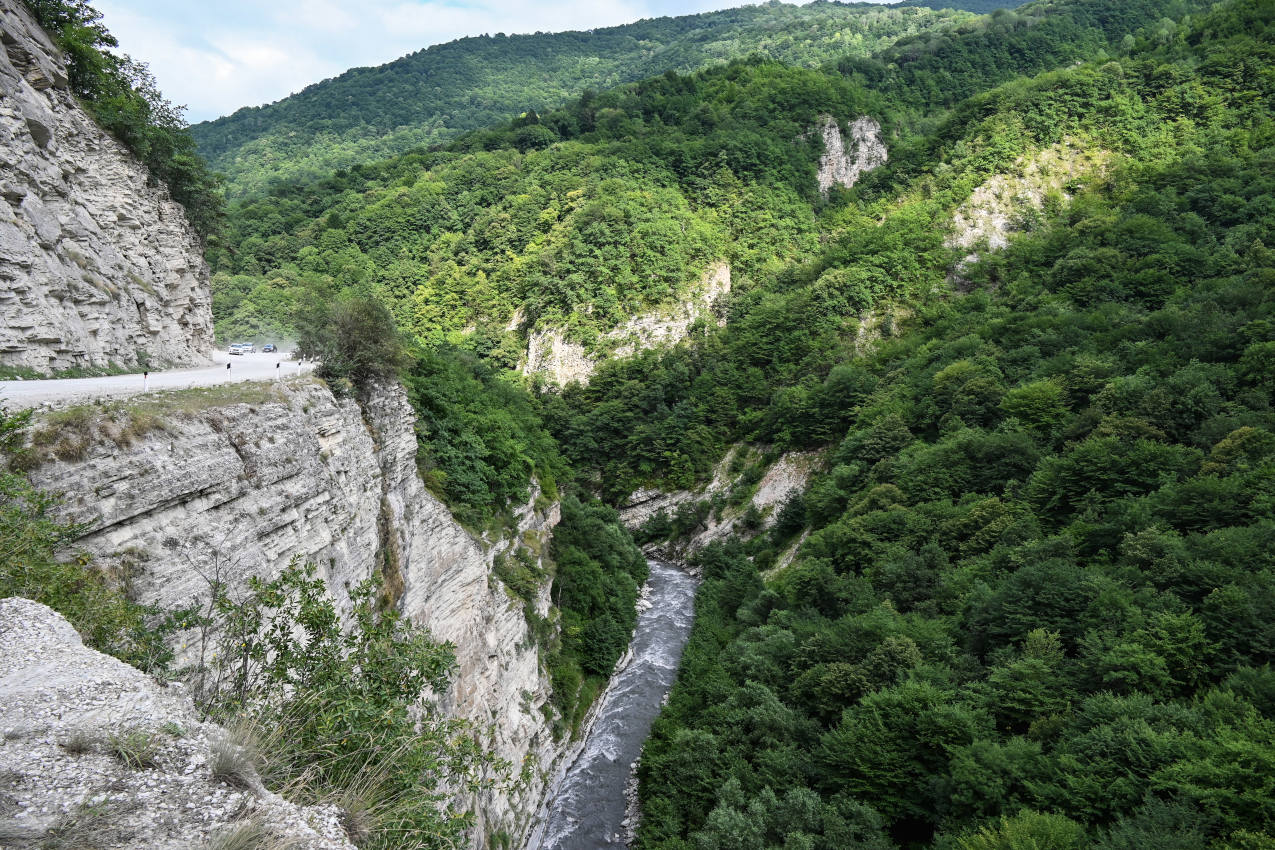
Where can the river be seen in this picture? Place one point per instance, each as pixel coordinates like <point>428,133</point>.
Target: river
<point>588,807</point>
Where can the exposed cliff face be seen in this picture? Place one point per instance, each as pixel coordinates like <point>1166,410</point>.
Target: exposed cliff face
<point>845,159</point>
<point>788,475</point>
<point>1007,203</point>
<point>62,704</point>
<point>238,489</point>
<point>552,355</point>
<point>97,265</point>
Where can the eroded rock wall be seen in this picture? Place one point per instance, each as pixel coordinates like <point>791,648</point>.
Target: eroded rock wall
<point>239,489</point>
<point>788,475</point>
<point>847,156</point>
<point>551,355</point>
<point>98,265</point>
<point>1008,203</point>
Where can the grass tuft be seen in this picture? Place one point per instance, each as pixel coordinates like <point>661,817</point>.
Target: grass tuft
<point>234,757</point>
<point>136,748</point>
<point>250,835</point>
<point>91,825</point>
<point>79,743</point>
<point>69,434</point>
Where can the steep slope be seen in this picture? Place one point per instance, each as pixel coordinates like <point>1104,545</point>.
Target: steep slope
<point>99,754</point>
<point>220,488</point>
<point>99,265</point>
<point>772,374</point>
<point>569,226</point>
<point>1024,608</point>
<point>479,247</point>
<point>435,94</point>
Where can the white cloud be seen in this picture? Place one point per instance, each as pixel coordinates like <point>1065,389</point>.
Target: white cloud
<point>321,15</point>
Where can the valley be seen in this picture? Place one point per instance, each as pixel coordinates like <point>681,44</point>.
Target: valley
<point>803,427</point>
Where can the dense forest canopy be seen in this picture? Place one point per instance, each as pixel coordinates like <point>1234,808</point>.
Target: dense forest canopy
<point>1026,607</point>
<point>586,214</point>
<point>435,94</point>
<point>1027,603</point>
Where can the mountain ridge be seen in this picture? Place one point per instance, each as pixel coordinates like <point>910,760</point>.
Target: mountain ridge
<point>371,112</point>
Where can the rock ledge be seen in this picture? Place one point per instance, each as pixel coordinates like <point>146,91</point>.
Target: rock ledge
<point>62,705</point>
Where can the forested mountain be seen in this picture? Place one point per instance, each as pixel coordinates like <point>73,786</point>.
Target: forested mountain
<point>1028,608</point>
<point>654,180</point>
<point>435,94</point>
<point>980,7</point>
<point>1025,601</point>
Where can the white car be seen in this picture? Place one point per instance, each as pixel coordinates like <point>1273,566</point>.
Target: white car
<point>243,348</point>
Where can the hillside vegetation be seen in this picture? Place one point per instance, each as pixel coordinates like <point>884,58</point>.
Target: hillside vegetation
<point>1027,604</point>
<point>1024,602</point>
<point>584,215</point>
<point>435,94</point>
<point>1027,609</point>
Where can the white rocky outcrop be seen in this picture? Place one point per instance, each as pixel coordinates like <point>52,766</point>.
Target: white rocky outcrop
<point>845,159</point>
<point>98,264</point>
<point>233,490</point>
<point>63,710</point>
<point>788,475</point>
<point>551,355</point>
<point>1006,203</point>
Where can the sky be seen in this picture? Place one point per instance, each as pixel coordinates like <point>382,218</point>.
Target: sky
<point>214,56</point>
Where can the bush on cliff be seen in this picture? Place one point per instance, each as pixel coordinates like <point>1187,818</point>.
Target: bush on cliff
<point>341,710</point>
<point>355,341</point>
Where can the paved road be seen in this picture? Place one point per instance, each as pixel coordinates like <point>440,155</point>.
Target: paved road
<point>243,367</point>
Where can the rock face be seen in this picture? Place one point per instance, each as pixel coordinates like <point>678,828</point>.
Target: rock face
<point>788,475</point>
<point>239,489</point>
<point>844,160</point>
<point>98,265</point>
<point>1008,202</point>
<point>552,355</point>
<point>65,709</point>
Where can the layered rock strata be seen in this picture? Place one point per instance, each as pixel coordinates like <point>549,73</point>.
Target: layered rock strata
<point>98,264</point>
<point>239,489</point>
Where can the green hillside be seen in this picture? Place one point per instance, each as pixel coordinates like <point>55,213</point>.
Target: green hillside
<point>1024,602</point>
<point>585,215</point>
<point>1027,603</point>
<point>980,7</point>
<point>435,94</point>
<point>1028,608</point>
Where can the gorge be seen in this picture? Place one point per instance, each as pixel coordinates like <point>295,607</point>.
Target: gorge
<point>790,428</point>
<point>591,803</point>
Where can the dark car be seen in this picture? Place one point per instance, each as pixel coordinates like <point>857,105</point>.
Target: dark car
<point>268,347</point>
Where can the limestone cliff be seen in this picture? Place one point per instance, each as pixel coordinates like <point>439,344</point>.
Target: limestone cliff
<point>1010,202</point>
<point>212,487</point>
<point>771,487</point>
<point>97,754</point>
<point>848,156</point>
<point>551,355</point>
<point>98,265</point>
